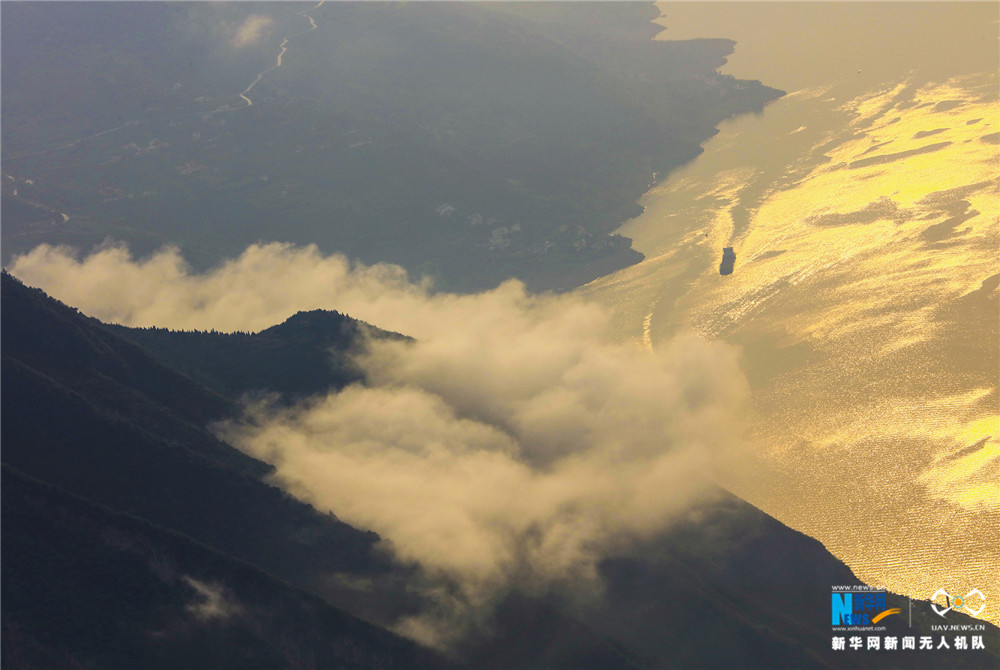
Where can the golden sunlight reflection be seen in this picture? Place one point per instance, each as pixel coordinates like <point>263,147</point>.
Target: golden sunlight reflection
<point>865,299</point>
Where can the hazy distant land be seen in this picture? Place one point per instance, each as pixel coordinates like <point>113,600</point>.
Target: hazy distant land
<point>467,142</point>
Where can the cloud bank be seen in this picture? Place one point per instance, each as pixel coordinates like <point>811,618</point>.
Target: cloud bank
<point>514,442</point>
<point>263,286</point>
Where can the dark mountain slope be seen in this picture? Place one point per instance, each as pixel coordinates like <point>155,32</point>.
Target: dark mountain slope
<point>309,353</point>
<point>59,345</point>
<point>85,587</point>
<point>89,412</point>
<point>62,424</point>
<point>727,588</point>
<point>731,587</point>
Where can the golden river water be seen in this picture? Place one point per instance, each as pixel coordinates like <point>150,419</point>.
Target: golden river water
<point>864,211</point>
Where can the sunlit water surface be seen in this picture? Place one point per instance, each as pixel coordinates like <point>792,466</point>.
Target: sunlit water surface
<point>864,211</point>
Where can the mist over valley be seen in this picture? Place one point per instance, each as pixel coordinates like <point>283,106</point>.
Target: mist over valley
<point>324,343</point>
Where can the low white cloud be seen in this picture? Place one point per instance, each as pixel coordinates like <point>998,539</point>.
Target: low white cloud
<point>263,286</point>
<point>250,30</point>
<point>212,601</point>
<point>513,442</point>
